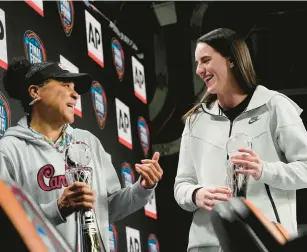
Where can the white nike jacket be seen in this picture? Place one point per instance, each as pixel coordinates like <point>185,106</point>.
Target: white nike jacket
<point>278,135</point>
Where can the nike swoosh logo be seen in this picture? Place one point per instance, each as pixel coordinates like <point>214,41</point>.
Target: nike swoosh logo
<point>253,119</point>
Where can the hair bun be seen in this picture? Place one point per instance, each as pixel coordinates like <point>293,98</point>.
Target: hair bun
<point>14,77</point>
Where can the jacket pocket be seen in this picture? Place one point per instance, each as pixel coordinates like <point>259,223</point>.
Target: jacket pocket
<point>285,202</point>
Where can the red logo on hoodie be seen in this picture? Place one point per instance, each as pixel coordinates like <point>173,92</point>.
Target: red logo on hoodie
<point>55,182</point>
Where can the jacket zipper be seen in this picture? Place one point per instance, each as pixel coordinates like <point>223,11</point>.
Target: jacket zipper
<point>230,129</point>
<point>267,188</point>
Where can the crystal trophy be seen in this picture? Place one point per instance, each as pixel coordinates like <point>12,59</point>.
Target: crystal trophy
<point>236,181</point>
<point>77,158</point>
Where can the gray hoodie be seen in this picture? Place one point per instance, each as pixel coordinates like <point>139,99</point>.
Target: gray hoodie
<point>27,159</point>
<point>279,138</point>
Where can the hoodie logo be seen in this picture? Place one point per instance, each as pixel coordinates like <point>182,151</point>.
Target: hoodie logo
<point>47,181</point>
<point>253,119</point>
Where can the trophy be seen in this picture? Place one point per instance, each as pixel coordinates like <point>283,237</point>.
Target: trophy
<point>77,158</point>
<point>236,181</point>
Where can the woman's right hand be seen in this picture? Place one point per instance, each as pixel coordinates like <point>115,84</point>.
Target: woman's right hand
<point>206,197</point>
<point>77,196</point>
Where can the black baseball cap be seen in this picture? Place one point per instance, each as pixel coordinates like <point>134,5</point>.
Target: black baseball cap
<point>57,71</point>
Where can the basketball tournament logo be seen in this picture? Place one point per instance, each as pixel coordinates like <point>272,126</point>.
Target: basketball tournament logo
<point>153,244</point>
<point>34,47</point>
<point>143,133</point>
<point>113,239</point>
<point>118,58</point>
<point>128,177</point>
<point>5,115</point>
<point>67,15</point>
<point>99,99</point>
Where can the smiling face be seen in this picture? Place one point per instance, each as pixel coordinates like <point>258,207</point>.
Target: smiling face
<point>58,100</point>
<point>212,68</point>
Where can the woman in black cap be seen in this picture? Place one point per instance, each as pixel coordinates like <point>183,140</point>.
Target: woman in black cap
<point>32,153</point>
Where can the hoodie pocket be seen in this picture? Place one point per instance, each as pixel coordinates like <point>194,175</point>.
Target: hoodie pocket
<point>285,202</point>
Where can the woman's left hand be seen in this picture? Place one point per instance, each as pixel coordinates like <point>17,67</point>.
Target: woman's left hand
<point>251,162</point>
<point>150,171</point>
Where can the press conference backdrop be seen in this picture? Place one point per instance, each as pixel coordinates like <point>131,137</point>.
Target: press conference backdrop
<point>115,109</point>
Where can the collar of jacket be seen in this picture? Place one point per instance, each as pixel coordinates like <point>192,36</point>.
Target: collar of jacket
<point>260,97</point>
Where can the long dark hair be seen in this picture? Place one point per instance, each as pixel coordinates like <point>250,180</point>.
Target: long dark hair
<point>228,43</point>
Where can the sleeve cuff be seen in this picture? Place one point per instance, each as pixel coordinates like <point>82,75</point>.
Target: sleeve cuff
<point>52,212</point>
<point>190,196</point>
<point>268,175</point>
<point>194,195</point>
<point>141,191</point>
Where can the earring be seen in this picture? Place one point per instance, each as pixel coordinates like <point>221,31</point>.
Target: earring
<point>231,65</point>
<point>34,101</point>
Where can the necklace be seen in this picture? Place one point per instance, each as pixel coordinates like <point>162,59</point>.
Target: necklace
<point>58,145</point>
